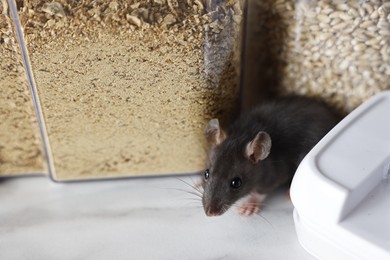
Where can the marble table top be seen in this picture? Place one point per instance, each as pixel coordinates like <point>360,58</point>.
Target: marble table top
<point>145,218</point>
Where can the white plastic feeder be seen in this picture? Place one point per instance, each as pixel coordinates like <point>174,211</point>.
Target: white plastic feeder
<point>341,190</point>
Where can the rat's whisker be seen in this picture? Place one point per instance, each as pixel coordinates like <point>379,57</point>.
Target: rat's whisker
<point>185,182</point>
<point>186,191</point>
<point>193,193</point>
<point>193,205</point>
<point>266,220</point>
<point>225,208</point>
<point>239,205</point>
<point>262,205</point>
<point>198,183</point>
<point>193,186</point>
<point>193,199</point>
<point>235,205</point>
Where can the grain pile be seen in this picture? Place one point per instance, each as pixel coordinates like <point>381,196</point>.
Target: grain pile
<point>20,145</point>
<point>123,85</point>
<point>339,50</point>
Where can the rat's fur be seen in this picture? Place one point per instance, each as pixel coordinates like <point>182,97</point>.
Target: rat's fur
<point>294,125</point>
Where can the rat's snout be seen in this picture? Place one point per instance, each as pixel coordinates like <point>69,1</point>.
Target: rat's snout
<point>214,204</point>
<point>212,212</point>
<point>214,209</point>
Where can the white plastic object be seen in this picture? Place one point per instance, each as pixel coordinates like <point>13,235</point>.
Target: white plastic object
<point>341,190</point>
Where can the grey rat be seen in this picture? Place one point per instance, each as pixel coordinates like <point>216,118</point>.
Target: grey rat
<point>260,151</point>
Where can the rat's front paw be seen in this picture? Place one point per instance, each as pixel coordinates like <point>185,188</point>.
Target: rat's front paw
<point>251,204</point>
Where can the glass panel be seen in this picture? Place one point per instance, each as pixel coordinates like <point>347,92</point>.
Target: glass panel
<point>20,143</point>
<point>126,87</point>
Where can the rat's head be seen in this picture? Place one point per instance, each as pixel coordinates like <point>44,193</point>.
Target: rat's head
<point>232,168</point>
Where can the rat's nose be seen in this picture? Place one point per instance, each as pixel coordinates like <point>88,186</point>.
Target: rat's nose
<point>212,211</point>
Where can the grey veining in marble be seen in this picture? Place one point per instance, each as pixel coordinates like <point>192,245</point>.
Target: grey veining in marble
<point>135,219</point>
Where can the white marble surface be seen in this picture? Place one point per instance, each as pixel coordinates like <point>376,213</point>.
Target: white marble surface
<point>135,219</point>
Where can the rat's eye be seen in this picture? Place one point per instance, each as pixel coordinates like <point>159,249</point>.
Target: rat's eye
<point>206,174</point>
<point>236,183</point>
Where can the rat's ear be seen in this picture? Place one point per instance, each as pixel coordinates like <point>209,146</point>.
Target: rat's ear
<point>258,149</point>
<point>214,134</point>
